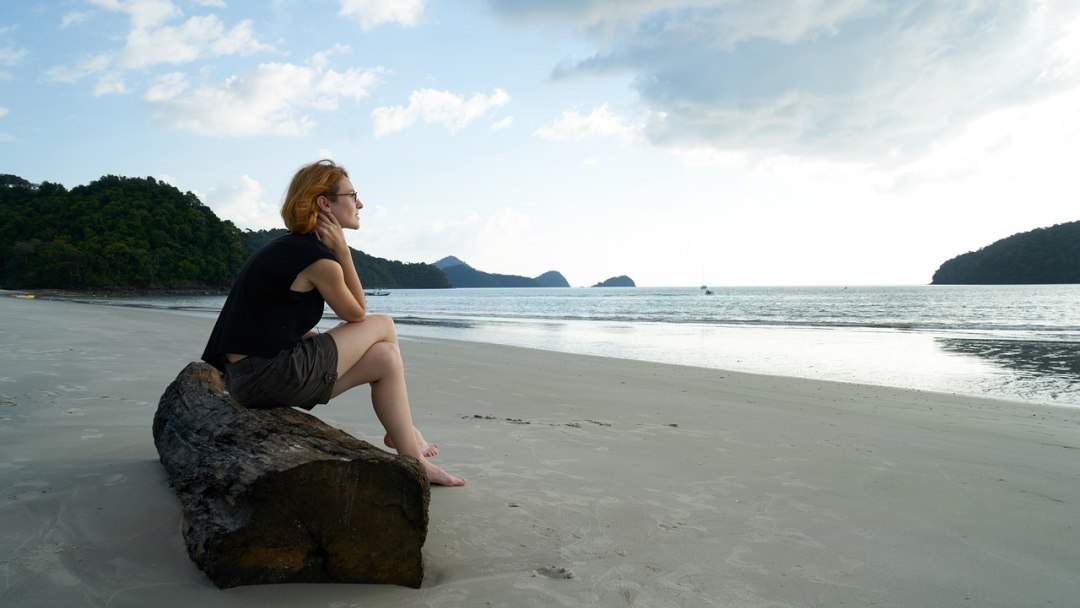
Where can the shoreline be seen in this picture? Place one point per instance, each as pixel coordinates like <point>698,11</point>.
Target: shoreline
<point>73,294</point>
<point>652,484</point>
<point>1032,370</point>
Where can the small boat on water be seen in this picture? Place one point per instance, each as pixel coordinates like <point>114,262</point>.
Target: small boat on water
<point>377,292</point>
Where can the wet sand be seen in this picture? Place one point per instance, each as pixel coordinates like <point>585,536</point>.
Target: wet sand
<point>592,481</point>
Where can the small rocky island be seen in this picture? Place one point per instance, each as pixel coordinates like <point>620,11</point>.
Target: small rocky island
<point>619,281</point>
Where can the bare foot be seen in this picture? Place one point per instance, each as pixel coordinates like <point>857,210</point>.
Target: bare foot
<point>439,477</point>
<point>426,448</point>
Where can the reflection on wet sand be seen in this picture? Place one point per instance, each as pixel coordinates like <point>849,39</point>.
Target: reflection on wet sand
<point>1034,358</point>
<point>428,322</point>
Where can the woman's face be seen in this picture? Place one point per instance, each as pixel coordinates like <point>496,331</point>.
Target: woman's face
<point>345,206</point>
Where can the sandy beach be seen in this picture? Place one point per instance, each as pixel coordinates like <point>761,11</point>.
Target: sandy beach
<point>592,481</point>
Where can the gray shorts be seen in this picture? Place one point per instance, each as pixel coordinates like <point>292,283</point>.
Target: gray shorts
<point>301,376</point>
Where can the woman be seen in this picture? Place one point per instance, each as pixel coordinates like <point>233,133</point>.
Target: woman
<point>264,341</point>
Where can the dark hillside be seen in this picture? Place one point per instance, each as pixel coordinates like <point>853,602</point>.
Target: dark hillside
<point>1041,256</point>
<point>122,233</point>
<point>115,232</point>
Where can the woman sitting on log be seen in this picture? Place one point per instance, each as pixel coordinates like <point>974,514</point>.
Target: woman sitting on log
<point>264,340</point>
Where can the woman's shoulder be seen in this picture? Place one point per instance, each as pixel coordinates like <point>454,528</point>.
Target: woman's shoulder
<point>307,243</point>
<point>295,239</point>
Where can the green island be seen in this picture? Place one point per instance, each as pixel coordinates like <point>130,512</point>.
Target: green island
<point>619,281</point>
<point>1043,256</point>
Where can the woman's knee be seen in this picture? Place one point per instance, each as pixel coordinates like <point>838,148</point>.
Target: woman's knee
<point>380,362</point>
<point>388,325</point>
<point>383,325</point>
<point>384,356</point>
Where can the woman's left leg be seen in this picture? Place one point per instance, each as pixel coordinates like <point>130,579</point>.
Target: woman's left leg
<point>368,353</point>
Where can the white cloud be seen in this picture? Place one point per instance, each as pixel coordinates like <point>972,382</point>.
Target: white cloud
<point>143,13</point>
<point>708,156</point>
<point>11,56</point>
<point>436,107</point>
<point>82,68</point>
<point>843,79</point>
<point>601,122</point>
<point>196,38</point>
<point>273,100</point>
<point>166,87</point>
<point>1017,150</point>
<point>1067,50</point>
<point>373,13</point>
<point>151,40</point>
<point>244,204</point>
<point>321,59</point>
<point>211,3</point>
<point>111,84</point>
<point>5,136</point>
<point>73,17</point>
<point>728,22</point>
<point>503,123</point>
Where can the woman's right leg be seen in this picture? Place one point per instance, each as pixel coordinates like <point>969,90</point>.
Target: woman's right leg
<point>368,353</point>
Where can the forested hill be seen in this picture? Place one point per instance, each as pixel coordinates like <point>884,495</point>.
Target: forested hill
<point>1042,256</point>
<point>112,233</point>
<point>138,233</point>
<point>460,274</point>
<point>374,272</point>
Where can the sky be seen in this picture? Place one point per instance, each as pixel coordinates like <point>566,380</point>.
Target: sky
<point>681,143</point>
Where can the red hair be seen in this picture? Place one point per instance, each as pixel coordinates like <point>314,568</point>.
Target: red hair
<point>299,210</point>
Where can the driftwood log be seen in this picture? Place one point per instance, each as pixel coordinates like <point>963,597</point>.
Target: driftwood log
<point>278,496</point>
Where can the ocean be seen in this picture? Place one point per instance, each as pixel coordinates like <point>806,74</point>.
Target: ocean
<point>1019,343</point>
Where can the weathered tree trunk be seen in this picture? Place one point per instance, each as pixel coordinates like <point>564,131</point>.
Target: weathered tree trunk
<point>278,496</point>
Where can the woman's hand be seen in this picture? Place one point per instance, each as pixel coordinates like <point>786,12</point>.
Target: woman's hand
<point>337,282</point>
<point>331,234</point>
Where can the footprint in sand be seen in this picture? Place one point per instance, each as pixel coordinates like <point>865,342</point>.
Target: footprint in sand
<point>28,490</point>
<point>71,389</point>
<point>554,572</point>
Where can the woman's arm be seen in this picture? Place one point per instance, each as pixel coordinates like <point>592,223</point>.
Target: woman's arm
<point>337,282</point>
<point>331,280</point>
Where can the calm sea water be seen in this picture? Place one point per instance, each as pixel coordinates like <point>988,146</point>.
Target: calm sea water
<point>1014,342</point>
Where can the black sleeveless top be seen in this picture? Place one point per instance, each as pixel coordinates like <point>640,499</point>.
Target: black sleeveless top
<point>262,315</point>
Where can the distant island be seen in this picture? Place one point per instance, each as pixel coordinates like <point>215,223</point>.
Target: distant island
<point>460,274</point>
<point>138,235</point>
<point>619,281</point>
<point>1040,257</point>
